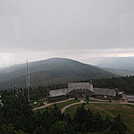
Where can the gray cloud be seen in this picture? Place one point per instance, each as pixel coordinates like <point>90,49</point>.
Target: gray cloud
<point>40,25</point>
<point>78,29</point>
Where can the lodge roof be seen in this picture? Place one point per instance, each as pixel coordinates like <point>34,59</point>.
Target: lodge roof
<point>58,92</point>
<point>81,85</point>
<point>105,91</point>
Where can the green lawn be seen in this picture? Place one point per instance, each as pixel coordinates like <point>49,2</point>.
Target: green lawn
<point>126,112</point>
<point>60,105</point>
<point>63,104</point>
<point>39,103</point>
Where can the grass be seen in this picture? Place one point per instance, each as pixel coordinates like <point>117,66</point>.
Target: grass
<point>63,104</point>
<point>60,105</point>
<point>39,103</point>
<point>112,110</point>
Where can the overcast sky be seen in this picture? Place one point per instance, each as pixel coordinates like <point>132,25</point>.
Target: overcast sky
<point>78,29</point>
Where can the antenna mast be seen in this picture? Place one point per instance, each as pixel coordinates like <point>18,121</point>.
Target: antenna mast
<point>28,84</point>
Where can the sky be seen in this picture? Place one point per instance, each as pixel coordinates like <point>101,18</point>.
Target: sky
<point>77,29</point>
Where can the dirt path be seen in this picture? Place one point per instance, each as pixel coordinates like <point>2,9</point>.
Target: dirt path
<point>112,115</point>
<point>64,108</point>
<point>49,104</point>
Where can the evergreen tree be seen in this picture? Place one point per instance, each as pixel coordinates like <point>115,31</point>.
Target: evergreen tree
<point>61,127</point>
<point>107,123</point>
<point>98,122</point>
<point>39,130</point>
<point>118,125</point>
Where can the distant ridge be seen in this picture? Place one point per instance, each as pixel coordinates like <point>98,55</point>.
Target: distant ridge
<point>51,71</point>
<point>116,63</point>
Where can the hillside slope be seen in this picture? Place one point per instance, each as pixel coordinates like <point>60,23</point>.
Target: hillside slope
<point>121,72</point>
<point>116,63</point>
<point>51,71</point>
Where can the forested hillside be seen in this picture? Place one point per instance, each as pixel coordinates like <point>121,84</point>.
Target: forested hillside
<point>123,83</point>
<point>16,117</point>
<point>51,71</point>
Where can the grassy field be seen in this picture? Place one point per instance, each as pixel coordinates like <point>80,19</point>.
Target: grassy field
<point>126,112</point>
<point>39,103</point>
<point>60,105</point>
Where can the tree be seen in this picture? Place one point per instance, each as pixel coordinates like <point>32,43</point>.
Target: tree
<point>118,125</point>
<point>107,123</point>
<point>7,129</point>
<point>19,132</point>
<point>39,130</point>
<point>98,122</point>
<point>61,127</point>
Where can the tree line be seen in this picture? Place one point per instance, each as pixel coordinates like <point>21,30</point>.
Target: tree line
<point>125,84</point>
<point>16,117</point>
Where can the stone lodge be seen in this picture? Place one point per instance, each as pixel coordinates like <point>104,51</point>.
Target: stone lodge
<point>82,89</point>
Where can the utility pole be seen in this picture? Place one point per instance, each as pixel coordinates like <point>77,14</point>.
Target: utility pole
<point>28,84</point>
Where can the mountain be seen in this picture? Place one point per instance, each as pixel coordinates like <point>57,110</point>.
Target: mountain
<point>51,71</point>
<point>119,65</point>
<point>121,72</point>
